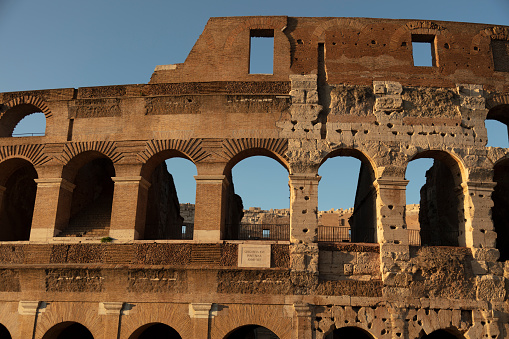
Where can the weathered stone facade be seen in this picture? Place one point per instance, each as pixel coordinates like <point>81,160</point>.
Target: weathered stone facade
<point>340,87</point>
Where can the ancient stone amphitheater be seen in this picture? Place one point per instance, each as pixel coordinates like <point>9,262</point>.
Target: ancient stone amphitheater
<point>92,238</point>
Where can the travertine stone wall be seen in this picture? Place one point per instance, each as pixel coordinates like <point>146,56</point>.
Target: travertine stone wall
<point>341,87</point>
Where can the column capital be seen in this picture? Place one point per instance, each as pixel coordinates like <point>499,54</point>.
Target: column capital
<point>202,310</point>
<point>481,185</point>
<point>28,307</point>
<point>392,183</point>
<point>132,180</point>
<point>55,182</point>
<point>302,309</point>
<point>110,308</point>
<point>304,176</point>
<point>211,179</point>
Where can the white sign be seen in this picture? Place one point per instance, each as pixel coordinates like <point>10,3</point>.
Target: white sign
<point>254,255</point>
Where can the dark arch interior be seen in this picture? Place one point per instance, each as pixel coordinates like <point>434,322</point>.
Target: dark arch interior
<point>363,219</point>
<point>348,332</point>
<point>4,333</point>
<point>92,198</point>
<point>440,334</point>
<point>68,330</point>
<point>156,331</point>
<point>18,202</point>
<point>252,332</point>
<point>439,205</point>
<point>500,209</point>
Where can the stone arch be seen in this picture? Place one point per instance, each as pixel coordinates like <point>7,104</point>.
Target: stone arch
<point>351,23</point>
<point>18,108</point>
<point>251,331</point>
<point>89,176</point>
<point>162,217</point>
<point>349,332</point>
<point>236,150</point>
<point>363,222</point>
<point>499,112</point>
<point>442,204</point>
<point>68,330</point>
<point>17,198</point>
<point>155,331</point>
<point>4,332</point>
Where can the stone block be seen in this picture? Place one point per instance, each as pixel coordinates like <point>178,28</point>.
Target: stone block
<point>479,267</point>
<point>490,288</point>
<point>486,254</point>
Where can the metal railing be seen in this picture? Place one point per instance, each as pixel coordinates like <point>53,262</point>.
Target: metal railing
<point>264,232</point>
<point>334,233</point>
<point>28,134</point>
<point>425,237</point>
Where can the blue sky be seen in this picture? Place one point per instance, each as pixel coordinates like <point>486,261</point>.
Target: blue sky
<point>64,43</point>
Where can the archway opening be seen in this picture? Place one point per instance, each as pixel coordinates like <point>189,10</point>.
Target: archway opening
<point>32,125</point>
<point>17,199</point>
<point>346,199</point>
<point>258,200</point>
<point>252,332</point>
<point>170,198</point>
<point>68,330</point>
<point>497,126</point>
<point>155,331</point>
<point>500,209</point>
<point>92,198</point>
<point>441,334</point>
<point>14,119</point>
<point>349,332</point>
<point>440,201</point>
<point>4,332</point>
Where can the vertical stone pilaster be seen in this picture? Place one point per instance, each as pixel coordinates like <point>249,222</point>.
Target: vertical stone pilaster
<point>129,208</point>
<point>201,313</point>
<point>478,228</point>
<point>303,322</point>
<point>112,313</point>
<point>28,311</point>
<point>391,204</point>
<point>52,208</point>
<point>209,218</point>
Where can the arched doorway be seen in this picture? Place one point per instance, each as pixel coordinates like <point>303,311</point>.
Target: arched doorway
<point>13,116</point>
<point>30,126</point>
<point>89,213</point>
<point>500,209</point>
<point>349,332</point>
<point>4,332</point>
<point>258,199</point>
<point>68,330</point>
<point>17,177</point>
<point>497,126</point>
<point>155,331</point>
<point>347,198</point>
<point>252,332</point>
<point>440,208</point>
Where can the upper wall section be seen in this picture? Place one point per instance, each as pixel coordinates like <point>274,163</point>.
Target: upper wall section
<point>355,51</point>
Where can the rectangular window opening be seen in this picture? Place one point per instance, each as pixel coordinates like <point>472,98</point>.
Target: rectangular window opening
<point>261,51</point>
<point>266,234</point>
<point>423,50</point>
<point>500,50</point>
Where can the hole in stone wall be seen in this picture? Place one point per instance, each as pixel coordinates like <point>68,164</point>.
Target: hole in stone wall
<point>32,125</point>
<point>423,50</point>
<point>500,50</point>
<point>261,51</point>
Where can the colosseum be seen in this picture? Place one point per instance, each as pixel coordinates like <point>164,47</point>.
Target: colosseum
<point>94,243</point>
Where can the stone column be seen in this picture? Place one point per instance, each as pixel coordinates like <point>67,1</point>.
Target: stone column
<point>52,208</point>
<point>303,329</point>
<point>111,311</point>
<point>129,208</point>
<point>304,222</point>
<point>391,204</point>
<point>201,313</point>
<point>209,217</point>
<point>28,311</point>
<point>478,228</point>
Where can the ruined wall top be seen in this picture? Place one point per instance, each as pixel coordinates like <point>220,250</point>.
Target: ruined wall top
<point>356,51</point>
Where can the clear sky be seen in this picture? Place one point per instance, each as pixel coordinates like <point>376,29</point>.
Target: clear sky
<point>65,43</point>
